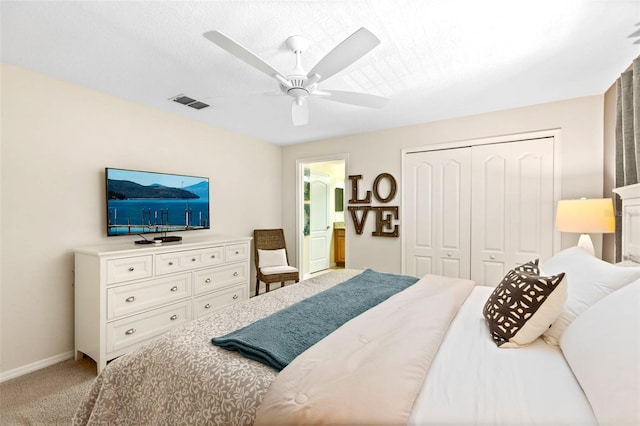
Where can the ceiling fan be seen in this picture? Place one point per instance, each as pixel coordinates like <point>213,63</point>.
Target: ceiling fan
<point>301,84</point>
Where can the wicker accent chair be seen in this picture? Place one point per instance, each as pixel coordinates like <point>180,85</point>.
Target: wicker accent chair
<point>272,271</point>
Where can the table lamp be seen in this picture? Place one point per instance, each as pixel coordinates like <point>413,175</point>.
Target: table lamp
<point>586,216</point>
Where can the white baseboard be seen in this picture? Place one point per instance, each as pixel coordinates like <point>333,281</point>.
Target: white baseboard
<point>29,368</point>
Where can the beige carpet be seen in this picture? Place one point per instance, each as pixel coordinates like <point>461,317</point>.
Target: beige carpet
<point>46,397</point>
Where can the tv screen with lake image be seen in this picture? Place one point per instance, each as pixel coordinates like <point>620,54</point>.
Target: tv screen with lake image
<point>146,202</point>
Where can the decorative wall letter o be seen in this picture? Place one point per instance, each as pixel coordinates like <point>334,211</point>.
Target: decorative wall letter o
<point>392,189</point>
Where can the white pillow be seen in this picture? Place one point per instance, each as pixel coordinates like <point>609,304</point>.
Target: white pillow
<point>589,279</point>
<point>268,258</point>
<point>602,346</point>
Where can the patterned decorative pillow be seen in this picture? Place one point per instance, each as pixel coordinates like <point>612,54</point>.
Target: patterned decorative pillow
<point>524,305</point>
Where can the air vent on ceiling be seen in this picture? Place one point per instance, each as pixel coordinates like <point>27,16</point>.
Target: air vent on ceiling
<point>190,102</point>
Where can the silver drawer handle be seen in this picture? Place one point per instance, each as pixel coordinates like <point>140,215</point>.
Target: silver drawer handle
<point>492,257</point>
<point>235,296</point>
<point>235,274</point>
<point>193,259</point>
<point>131,269</point>
<point>174,288</point>
<point>237,252</point>
<point>170,263</point>
<point>207,306</point>
<point>130,299</point>
<point>173,317</point>
<point>213,256</point>
<point>130,331</point>
<point>208,280</point>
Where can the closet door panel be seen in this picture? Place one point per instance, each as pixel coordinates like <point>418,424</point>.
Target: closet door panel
<point>512,207</point>
<point>437,190</point>
<point>533,203</point>
<point>490,207</point>
<point>422,266</point>
<point>424,185</point>
<point>420,242</point>
<point>454,238</point>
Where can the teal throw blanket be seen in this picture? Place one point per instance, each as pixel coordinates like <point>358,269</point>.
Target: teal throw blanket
<point>277,339</point>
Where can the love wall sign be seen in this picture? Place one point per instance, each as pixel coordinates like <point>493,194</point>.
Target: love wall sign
<point>384,214</point>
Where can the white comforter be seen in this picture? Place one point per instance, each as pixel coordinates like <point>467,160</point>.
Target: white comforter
<point>473,382</point>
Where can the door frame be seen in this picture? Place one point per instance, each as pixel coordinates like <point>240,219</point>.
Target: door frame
<point>556,134</point>
<point>300,164</point>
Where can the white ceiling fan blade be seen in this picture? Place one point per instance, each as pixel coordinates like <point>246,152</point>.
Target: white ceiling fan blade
<point>350,50</point>
<point>241,52</point>
<point>353,98</point>
<point>300,112</point>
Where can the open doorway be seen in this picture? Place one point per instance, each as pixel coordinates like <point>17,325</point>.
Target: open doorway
<point>321,225</point>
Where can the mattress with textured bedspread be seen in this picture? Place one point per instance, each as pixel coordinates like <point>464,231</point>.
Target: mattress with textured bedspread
<point>181,378</point>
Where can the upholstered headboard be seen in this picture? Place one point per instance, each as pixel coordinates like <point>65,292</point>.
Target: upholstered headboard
<point>630,221</point>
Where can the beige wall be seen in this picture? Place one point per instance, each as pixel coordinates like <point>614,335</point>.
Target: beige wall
<point>57,138</point>
<point>580,121</point>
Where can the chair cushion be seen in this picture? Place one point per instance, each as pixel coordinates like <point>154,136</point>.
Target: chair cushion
<point>270,270</point>
<point>268,258</point>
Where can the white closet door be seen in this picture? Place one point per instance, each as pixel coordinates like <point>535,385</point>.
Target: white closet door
<point>512,206</point>
<point>437,187</point>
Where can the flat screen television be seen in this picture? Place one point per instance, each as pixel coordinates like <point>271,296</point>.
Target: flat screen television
<point>141,202</point>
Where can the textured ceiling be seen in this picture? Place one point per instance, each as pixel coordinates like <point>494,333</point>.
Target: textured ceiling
<point>437,59</point>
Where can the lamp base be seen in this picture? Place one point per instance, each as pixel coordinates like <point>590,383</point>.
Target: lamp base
<point>586,243</point>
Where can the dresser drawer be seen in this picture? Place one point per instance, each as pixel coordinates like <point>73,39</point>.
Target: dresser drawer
<point>129,299</point>
<point>189,259</point>
<point>210,279</point>
<point>236,252</point>
<point>129,268</point>
<point>209,303</point>
<point>135,329</point>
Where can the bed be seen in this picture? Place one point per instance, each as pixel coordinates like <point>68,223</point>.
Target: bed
<point>583,370</point>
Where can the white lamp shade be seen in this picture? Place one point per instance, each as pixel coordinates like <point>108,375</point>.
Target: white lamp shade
<point>586,216</point>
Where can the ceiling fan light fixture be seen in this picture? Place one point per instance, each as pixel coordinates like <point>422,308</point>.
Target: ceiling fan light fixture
<point>302,85</point>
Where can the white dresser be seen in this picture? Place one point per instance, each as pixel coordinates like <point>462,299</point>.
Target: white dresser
<point>127,294</point>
